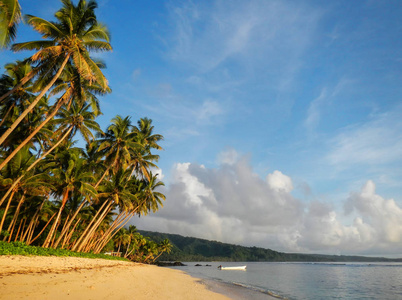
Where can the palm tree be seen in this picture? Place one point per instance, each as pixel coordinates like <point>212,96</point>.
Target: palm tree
<point>75,33</point>
<point>116,145</point>
<point>10,16</point>
<point>150,198</point>
<point>71,176</point>
<point>145,136</point>
<point>14,73</point>
<point>164,246</point>
<point>75,89</point>
<point>143,198</point>
<point>114,193</point>
<point>17,172</point>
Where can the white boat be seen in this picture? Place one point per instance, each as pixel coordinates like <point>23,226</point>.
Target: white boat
<point>233,268</point>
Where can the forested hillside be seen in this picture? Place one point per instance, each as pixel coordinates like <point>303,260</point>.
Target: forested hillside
<point>194,249</point>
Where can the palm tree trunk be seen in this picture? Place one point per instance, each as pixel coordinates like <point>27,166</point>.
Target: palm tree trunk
<point>10,189</point>
<point>32,222</point>
<point>34,163</point>
<point>103,176</point>
<point>109,235</point>
<point>94,227</point>
<point>84,234</point>
<point>53,228</point>
<point>5,211</point>
<point>16,150</point>
<point>68,224</point>
<point>22,224</point>
<point>6,114</point>
<point>114,225</point>
<point>67,237</point>
<point>24,80</point>
<point>100,242</point>
<point>43,229</point>
<point>14,220</point>
<point>37,99</point>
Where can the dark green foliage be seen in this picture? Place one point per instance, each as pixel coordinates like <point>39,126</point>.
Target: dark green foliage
<point>194,249</point>
<point>19,248</point>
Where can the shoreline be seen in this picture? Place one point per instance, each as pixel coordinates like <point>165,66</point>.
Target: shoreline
<point>237,292</point>
<point>49,277</point>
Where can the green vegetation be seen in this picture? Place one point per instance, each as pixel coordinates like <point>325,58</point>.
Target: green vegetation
<point>19,248</point>
<point>194,249</point>
<point>138,248</point>
<point>54,194</point>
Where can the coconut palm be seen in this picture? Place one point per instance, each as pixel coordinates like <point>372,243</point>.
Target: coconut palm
<point>16,172</point>
<point>145,136</point>
<point>70,39</point>
<point>114,193</point>
<point>116,145</point>
<point>10,16</point>
<point>75,88</point>
<point>70,176</point>
<point>164,246</point>
<point>14,73</point>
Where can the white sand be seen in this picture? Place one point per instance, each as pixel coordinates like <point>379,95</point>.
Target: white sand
<point>40,277</point>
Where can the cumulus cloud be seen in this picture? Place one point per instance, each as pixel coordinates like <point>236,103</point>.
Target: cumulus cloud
<point>233,204</point>
<point>280,182</point>
<point>381,219</point>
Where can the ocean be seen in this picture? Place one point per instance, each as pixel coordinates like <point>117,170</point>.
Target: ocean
<point>307,281</point>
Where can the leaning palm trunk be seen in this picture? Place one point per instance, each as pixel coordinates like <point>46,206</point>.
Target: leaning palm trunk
<point>5,211</point>
<point>24,80</point>
<point>6,114</point>
<point>10,228</point>
<point>67,238</point>
<point>83,243</point>
<point>34,163</point>
<point>35,102</point>
<point>56,221</point>
<point>68,224</point>
<point>27,234</point>
<point>97,242</point>
<point>16,150</point>
<point>22,224</point>
<point>110,234</point>
<point>103,176</point>
<point>43,229</point>
<point>88,229</point>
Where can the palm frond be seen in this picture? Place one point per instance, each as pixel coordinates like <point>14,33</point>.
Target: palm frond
<point>44,27</point>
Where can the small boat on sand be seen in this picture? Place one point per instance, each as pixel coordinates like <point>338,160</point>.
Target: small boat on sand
<point>232,268</point>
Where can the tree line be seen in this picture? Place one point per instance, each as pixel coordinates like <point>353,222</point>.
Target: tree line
<point>54,193</point>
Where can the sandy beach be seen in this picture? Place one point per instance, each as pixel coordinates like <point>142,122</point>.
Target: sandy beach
<point>40,277</point>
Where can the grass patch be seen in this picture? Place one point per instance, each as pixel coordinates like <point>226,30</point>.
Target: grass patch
<point>19,248</point>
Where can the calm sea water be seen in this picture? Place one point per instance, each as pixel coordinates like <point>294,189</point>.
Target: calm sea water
<point>309,280</point>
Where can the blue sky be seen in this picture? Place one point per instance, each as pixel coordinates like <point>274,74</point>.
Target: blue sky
<point>282,119</point>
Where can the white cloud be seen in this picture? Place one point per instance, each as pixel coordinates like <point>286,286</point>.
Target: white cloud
<point>208,110</point>
<point>233,204</point>
<point>378,141</point>
<point>314,111</point>
<point>320,105</point>
<point>280,182</point>
<point>383,216</point>
<point>265,38</point>
<point>229,157</point>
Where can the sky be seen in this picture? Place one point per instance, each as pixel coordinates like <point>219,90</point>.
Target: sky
<point>282,120</point>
